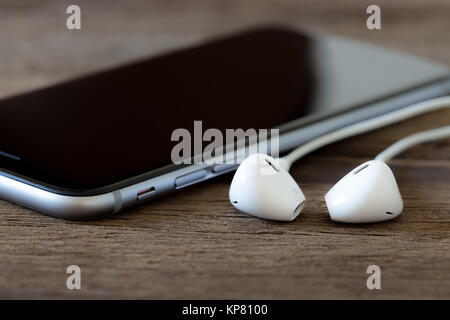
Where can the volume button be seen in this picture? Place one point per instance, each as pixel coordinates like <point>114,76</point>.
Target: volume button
<point>190,178</point>
<point>219,168</point>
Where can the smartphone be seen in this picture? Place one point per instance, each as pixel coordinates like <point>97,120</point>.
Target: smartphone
<point>93,146</point>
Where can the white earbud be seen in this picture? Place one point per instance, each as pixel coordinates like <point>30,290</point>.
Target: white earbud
<point>369,193</point>
<point>263,188</point>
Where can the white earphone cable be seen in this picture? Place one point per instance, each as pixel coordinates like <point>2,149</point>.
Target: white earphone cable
<point>375,123</point>
<point>412,140</point>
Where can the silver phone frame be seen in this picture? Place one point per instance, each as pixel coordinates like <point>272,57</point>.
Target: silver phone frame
<point>102,205</point>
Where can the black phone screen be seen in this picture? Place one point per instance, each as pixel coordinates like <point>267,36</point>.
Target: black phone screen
<point>100,129</point>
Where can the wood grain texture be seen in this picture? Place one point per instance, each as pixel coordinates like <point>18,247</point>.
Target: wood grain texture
<point>194,244</point>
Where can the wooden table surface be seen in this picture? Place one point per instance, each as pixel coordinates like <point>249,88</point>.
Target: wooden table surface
<point>194,244</point>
